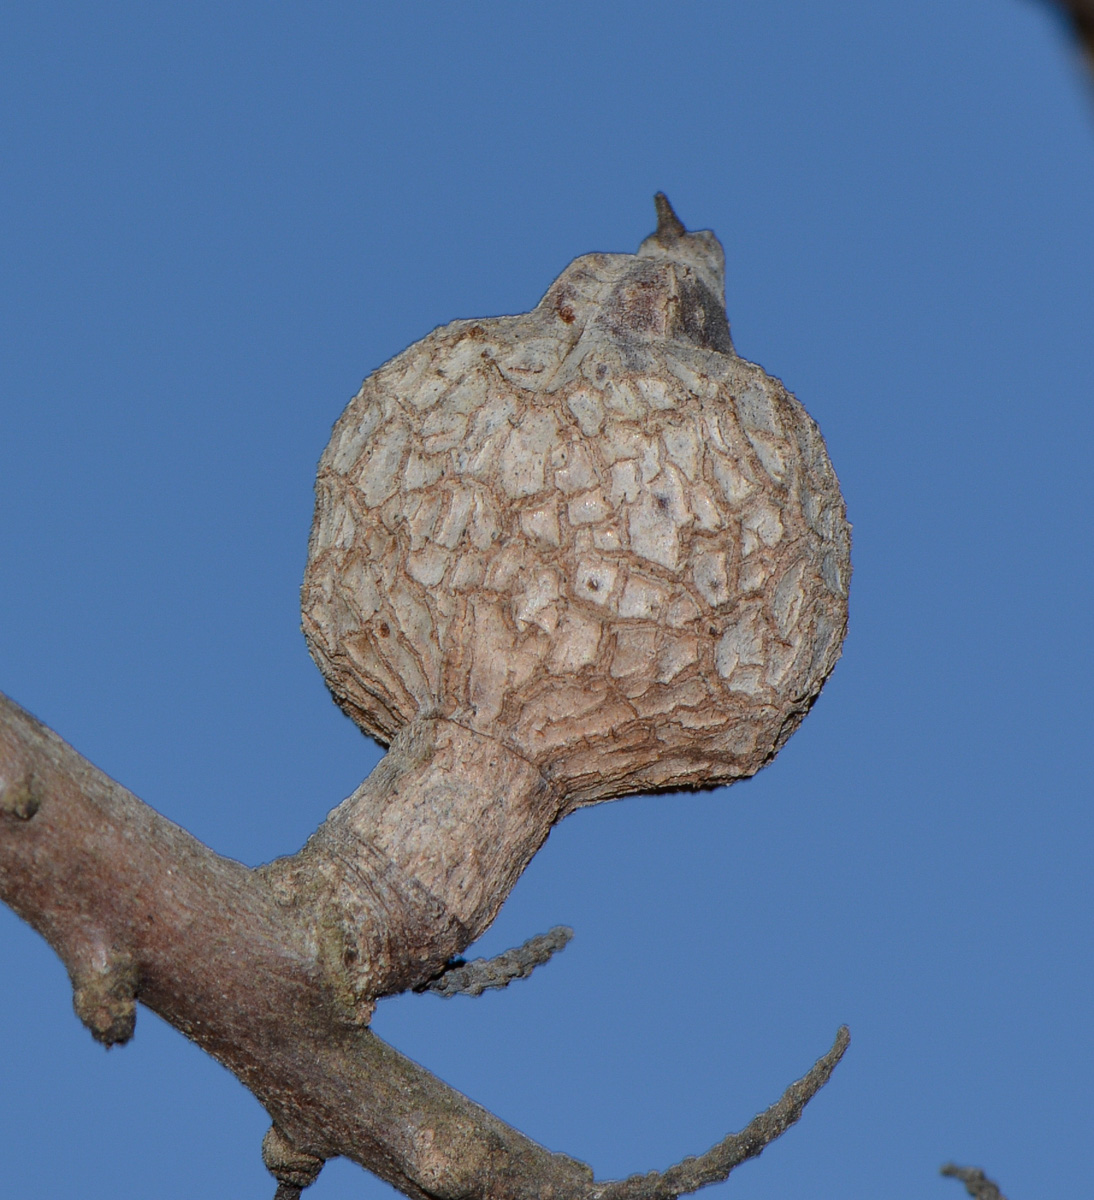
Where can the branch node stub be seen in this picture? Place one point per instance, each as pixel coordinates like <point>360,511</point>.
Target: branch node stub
<point>104,997</point>
<point>293,1169</point>
<point>19,797</point>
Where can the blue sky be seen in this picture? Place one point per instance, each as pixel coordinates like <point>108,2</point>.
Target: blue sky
<point>216,219</point>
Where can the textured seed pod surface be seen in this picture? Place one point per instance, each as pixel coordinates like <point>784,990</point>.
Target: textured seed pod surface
<point>590,531</point>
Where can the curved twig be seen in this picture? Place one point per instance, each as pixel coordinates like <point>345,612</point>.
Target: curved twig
<point>463,978</point>
<point>714,1166</point>
<point>977,1184</point>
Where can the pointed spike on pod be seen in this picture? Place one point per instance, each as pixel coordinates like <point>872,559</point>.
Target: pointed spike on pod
<point>669,224</point>
<point>698,249</point>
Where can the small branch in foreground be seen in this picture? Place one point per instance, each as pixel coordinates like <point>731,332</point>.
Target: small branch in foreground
<point>1081,14</point>
<point>462,978</point>
<point>714,1166</point>
<point>977,1184</point>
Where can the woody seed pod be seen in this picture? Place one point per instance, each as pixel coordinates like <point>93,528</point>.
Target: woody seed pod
<point>590,532</point>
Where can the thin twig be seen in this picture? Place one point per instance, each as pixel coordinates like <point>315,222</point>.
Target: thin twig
<point>977,1184</point>
<point>719,1160</point>
<point>462,978</point>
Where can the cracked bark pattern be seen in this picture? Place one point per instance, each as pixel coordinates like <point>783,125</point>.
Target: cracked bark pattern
<point>590,531</point>
<point>557,558</point>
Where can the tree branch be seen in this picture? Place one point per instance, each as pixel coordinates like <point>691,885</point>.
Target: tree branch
<point>236,959</point>
<point>136,907</point>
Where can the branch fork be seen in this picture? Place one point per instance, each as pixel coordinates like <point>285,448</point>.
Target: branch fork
<point>136,906</point>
